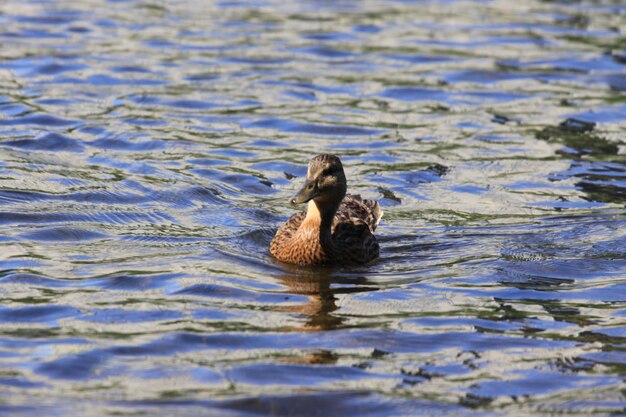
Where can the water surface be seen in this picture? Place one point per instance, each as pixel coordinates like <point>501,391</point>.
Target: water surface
<point>147,154</point>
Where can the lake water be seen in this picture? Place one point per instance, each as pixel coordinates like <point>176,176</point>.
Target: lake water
<point>148,150</point>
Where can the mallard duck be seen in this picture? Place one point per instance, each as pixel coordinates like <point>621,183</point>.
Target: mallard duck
<point>335,228</point>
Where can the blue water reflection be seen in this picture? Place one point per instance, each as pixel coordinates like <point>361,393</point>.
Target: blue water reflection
<point>148,152</point>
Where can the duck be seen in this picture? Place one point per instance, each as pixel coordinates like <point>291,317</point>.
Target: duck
<point>336,228</point>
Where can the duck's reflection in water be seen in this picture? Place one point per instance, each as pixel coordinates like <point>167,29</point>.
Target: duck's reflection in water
<point>321,286</point>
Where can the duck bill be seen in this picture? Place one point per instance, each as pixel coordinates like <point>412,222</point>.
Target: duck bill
<point>307,193</point>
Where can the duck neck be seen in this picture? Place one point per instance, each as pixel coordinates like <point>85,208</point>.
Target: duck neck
<point>321,215</point>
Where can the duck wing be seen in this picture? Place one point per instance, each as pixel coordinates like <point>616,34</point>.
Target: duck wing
<point>353,228</point>
<point>355,243</point>
<point>353,209</point>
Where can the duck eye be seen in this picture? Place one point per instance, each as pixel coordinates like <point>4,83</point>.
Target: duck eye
<point>327,171</point>
<point>310,186</point>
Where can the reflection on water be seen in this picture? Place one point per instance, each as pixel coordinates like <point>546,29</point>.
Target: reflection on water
<point>316,284</point>
<point>320,303</point>
<point>147,154</point>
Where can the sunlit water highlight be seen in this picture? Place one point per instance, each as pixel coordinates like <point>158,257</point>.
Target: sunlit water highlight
<point>147,154</point>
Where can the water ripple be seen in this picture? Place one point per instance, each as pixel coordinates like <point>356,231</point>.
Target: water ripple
<point>148,152</point>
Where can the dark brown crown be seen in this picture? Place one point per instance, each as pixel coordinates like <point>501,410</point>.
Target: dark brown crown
<point>325,158</point>
<point>324,162</point>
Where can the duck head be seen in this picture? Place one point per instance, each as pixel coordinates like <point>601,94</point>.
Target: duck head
<point>325,181</point>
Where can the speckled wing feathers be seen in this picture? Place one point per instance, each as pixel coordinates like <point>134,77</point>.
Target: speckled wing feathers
<point>354,209</point>
<point>355,243</point>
